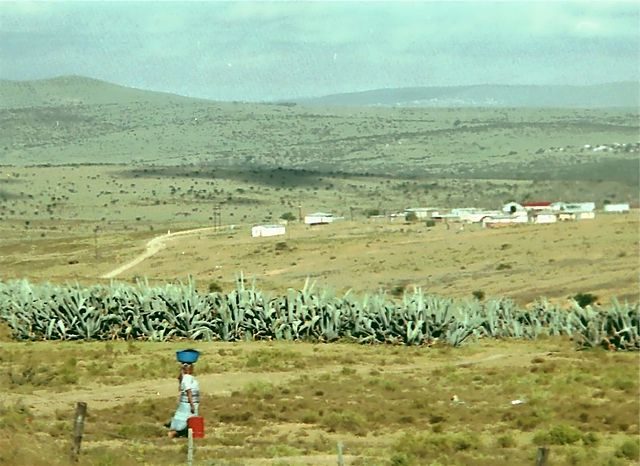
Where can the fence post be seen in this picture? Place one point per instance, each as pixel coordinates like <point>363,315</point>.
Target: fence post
<point>78,429</point>
<point>190,448</point>
<point>340,457</point>
<point>542,456</point>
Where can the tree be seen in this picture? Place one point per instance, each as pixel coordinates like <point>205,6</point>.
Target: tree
<point>410,217</point>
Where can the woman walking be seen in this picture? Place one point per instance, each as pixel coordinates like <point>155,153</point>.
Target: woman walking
<point>188,402</point>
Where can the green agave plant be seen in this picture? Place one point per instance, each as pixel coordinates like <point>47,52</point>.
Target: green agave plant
<point>180,311</point>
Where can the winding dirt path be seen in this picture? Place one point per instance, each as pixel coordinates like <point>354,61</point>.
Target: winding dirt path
<point>154,246</point>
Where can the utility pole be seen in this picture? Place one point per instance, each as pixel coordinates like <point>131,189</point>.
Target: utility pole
<point>95,240</point>
<point>217,216</point>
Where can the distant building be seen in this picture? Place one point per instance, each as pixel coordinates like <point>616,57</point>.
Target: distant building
<point>580,206</point>
<point>617,208</point>
<point>267,230</point>
<point>540,205</point>
<point>545,217</point>
<point>422,213</point>
<point>319,218</point>
<point>504,220</point>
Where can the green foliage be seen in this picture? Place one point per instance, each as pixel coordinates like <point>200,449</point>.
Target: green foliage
<point>410,217</point>
<point>214,287</point>
<point>506,441</point>
<point>372,212</point>
<point>585,299</point>
<point>629,449</point>
<point>288,216</point>
<point>179,311</point>
<point>560,434</point>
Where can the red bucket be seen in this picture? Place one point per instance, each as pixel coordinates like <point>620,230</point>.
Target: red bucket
<point>196,424</point>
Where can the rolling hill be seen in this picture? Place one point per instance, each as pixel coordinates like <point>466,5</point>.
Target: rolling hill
<point>622,94</point>
<point>75,90</point>
<point>76,120</point>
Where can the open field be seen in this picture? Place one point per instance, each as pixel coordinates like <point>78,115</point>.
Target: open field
<point>522,262</point>
<point>104,183</point>
<point>289,404</point>
<point>75,120</point>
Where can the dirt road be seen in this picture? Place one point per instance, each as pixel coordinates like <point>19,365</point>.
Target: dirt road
<point>152,247</point>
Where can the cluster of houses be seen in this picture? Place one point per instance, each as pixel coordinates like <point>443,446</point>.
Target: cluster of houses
<point>511,213</point>
<point>514,213</point>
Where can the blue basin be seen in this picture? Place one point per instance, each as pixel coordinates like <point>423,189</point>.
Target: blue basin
<point>189,356</point>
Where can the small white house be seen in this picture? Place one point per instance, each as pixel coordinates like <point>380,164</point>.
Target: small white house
<point>504,220</point>
<point>545,217</point>
<point>267,230</point>
<point>585,215</point>
<point>617,208</point>
<point>478,216</point>
<point>319,218</point>
<point>580,206</point>
<point>422,212</point>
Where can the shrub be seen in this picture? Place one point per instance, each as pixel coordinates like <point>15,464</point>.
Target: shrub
<point>629,449</point>
<point>585,299</point>
<point>590,439</point>
<point>506,441</point>
<point>478,294</point>
<point>214,287</point>
<point>410,217</point>
<point>400,459</point>
<point>561,434</point>
<point>288,216</point>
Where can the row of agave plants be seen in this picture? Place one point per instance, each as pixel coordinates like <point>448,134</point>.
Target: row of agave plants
<point>180,311</point>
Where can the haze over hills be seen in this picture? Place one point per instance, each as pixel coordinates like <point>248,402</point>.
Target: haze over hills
<point>609,95</point>
<point>75,90</point>
<point>76,120</point>
<point>69,90</point>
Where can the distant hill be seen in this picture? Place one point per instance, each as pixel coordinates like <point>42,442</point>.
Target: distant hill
<point>621,94</point>
<point>74,90</point>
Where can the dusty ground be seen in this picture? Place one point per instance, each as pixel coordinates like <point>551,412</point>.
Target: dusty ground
<point>523,262</point>
<point>291,403</point>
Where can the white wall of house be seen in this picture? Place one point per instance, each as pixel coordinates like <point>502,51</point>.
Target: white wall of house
<point>545,218</point>
<point>268,230</point>
<point>617,208</point>
<point>501,220</point>
<point>318,218</point>
<point>585,215</point>
<point>422,212</point>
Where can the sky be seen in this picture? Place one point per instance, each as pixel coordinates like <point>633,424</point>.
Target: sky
<point>261,51</point>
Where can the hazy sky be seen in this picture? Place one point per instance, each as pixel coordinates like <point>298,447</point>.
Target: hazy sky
<point>268,50</point>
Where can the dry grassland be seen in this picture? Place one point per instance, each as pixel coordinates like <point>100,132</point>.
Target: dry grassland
<point>289,404</point>
<point>522,262</point>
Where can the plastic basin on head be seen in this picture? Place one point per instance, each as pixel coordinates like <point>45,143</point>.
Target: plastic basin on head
<point>189,356</point>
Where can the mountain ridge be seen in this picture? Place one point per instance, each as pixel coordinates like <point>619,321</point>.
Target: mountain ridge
<point>75,89</point>
<point>614,94</point>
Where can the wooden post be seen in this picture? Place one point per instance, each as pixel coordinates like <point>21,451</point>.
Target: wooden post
<point>340,457</point>
<point>190,448</point>
<point>78,429</point>
<point>542,456</point>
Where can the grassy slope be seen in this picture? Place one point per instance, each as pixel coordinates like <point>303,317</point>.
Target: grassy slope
<point>104,123</point>
<point>389,405</point>
<point>289,404</point>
